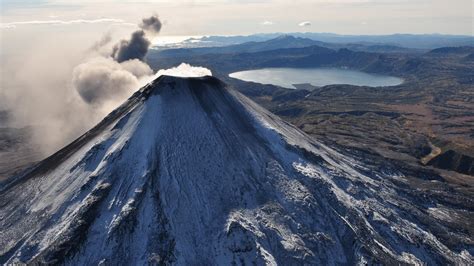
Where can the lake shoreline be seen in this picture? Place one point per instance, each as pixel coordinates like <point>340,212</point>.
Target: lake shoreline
<point>317,77</point>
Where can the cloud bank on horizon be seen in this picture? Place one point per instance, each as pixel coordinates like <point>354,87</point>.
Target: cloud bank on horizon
<point>237,17</point>
<point>14,24</point>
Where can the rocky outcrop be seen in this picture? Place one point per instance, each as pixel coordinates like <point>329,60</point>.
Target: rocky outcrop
<point>455,161</point>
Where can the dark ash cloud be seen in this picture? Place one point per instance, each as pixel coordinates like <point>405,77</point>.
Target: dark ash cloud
<point>135,48</point>
<point>151,25</point>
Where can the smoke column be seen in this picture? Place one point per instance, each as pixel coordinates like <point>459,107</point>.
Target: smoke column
<point>105,81</point>
<point>137,46</point>
<point>68,86</point>
<point>60,86</point>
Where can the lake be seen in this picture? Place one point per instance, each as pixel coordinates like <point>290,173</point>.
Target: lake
<point>286,77</point>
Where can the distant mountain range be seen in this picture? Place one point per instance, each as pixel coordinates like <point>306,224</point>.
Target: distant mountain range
<point>291,51</point>
<point>414,41</point>
<point>454,50</point>
<point>281,42</point>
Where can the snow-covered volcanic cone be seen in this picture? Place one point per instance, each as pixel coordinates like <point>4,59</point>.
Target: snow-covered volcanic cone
<point>190,172</point>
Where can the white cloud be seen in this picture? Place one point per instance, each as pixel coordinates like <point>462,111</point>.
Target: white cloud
<point>14,24</point>
<point>305,24</point>
<point>267,23</point>
<point>7,26</point>
<point>185,70</point>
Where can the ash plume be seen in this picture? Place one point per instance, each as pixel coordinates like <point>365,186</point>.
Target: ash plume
<point>58,107</point>
<point>105,40</point>
<point>103,81</point>
<point>151,25</point>
<point>137,46</point>
<point>109,79</point>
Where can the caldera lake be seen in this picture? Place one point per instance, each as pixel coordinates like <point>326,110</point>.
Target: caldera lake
<point>288,77</point>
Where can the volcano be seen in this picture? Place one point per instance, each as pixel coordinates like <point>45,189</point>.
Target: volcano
<point>188,171</point>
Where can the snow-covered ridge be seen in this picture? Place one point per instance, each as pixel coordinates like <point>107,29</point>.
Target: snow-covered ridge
<point>189,171</point>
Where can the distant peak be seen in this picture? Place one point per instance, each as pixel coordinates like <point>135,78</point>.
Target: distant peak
<point>285,36</point>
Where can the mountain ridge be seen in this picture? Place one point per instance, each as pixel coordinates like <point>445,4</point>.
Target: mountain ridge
<point>415,41</point>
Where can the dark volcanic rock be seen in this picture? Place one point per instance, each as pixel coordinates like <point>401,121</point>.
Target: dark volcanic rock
<point>452,160</point>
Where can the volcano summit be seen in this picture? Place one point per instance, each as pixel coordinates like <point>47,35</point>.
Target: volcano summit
<point>189,171</point>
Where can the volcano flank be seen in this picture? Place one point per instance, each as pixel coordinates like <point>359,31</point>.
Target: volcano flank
<point>190,171</point>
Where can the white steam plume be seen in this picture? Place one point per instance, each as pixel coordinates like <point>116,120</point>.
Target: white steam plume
<point>185,70</point>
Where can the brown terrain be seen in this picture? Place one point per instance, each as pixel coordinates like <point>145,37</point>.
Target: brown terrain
<point>427,122</point>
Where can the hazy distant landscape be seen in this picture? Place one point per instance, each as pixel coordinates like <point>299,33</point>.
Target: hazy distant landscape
<point>407,42</point>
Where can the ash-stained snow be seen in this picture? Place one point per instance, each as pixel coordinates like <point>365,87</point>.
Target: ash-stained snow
<point>189,171</point>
